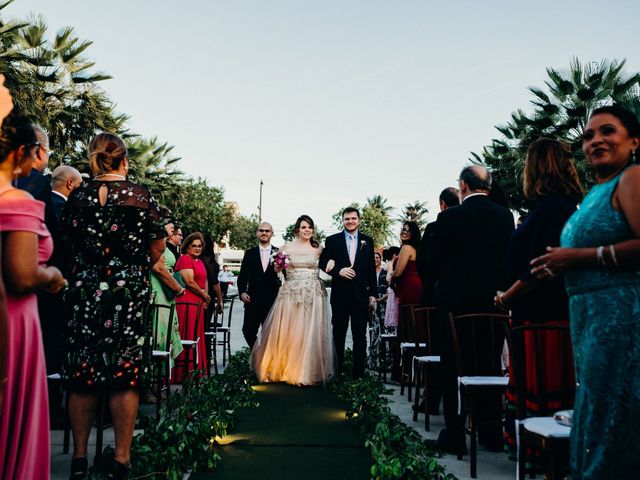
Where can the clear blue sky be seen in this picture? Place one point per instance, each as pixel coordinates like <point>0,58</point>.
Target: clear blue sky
<point>330,102</point>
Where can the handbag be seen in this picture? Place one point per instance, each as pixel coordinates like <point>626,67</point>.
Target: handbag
<point>169,293</point>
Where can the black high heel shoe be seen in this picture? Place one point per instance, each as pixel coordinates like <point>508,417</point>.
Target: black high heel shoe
<point>117,470</point>
<point>79,468</point>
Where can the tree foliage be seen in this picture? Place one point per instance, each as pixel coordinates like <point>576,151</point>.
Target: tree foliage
<point>375,219</point>
<point>242,232</point>
<point>55,85</point>
<point>559,110</point>
<point>200,207</point>
<point>415,212</point>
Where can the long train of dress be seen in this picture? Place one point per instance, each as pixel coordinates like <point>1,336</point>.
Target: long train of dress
<point>295,345</point>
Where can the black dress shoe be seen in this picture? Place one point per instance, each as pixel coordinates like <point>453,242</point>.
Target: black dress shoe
<point>79,468</point>
<point>453,443</point>
<point>117,470</point>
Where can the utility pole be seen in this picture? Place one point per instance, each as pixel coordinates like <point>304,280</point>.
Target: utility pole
<point>260,204</point>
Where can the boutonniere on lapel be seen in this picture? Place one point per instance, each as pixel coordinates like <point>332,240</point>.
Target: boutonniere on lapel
<point>362,244</point>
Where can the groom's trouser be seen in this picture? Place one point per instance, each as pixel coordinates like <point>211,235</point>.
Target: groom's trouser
<point>254,316</point>
<point>340,322</point>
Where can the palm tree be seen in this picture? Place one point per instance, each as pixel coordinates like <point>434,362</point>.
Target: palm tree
<point>415,212</point>
<point>561,111</point>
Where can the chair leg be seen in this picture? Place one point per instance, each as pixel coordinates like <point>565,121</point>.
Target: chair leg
<point>427,420</point>
<point>521,453</point>
<point>410,381</point>
<point>402,378</point>
<point>417,370</point>
<point>99,424</point>
<point>473,451</point>
<point>382,361</point>
<point>214,353</point>
<point>66,439</point>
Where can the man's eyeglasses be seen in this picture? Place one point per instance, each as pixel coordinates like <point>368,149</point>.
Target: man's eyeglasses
<point>263,230</point>
<point>46,149</point>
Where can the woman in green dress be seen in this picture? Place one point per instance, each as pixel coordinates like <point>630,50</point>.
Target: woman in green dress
<point>600,259</point>
<point>162,279</point>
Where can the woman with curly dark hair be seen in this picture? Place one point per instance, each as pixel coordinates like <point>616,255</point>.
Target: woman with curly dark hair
<point>404,276</point>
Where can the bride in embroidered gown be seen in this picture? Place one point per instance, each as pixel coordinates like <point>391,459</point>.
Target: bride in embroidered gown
<point>295,345</point>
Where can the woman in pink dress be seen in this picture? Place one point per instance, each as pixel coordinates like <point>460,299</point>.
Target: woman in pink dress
<point>194,274</point>
<point>26,245</point>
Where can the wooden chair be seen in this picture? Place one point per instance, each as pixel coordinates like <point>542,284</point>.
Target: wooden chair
<point>478,340</point>
<point>222,331</point>
<point>192,340</point>
<point>211,334</point>
<point>161,355</point>
<point>412,343</point>
<point>384,339</point>
<point>530,355</point>
<point>423,318</point>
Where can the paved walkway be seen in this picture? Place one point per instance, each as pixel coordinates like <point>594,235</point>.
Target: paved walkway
<point>491,465</point>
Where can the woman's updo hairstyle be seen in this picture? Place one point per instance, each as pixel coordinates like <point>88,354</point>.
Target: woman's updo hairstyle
<point>16,131</point>
<point>106,153</point>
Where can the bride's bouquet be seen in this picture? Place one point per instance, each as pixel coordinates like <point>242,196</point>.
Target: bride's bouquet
<point>281,260</point>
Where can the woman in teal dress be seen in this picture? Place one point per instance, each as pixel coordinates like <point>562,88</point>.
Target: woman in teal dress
<point>161,279</point>
<point>600,259</point>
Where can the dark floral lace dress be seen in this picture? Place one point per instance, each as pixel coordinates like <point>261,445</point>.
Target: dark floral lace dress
<point>109,288</point>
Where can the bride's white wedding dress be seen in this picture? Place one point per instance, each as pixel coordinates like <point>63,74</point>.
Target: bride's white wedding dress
<point>295,345</point>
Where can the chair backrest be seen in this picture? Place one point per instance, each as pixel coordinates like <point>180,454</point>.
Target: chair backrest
<point>422,325</point>
<point>406,322</point>
<point>156,310</point>
<point>190,313</point>
<point>541,367</point>
<point>478,340</point>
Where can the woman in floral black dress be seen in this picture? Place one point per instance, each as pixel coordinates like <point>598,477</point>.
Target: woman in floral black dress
<point>116,234</point>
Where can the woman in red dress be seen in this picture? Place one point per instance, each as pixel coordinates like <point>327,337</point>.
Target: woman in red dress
<point>408,285</point>
<point>194,275</point>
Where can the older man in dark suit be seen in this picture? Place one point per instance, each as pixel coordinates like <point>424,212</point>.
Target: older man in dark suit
<point>467,258</point>
<point>258,283</point>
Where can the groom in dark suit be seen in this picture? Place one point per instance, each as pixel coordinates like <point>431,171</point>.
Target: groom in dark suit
<point>348,258</point>
<point>258,283</point>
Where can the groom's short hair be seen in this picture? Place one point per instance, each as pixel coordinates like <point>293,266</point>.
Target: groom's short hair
<point>351,210</point>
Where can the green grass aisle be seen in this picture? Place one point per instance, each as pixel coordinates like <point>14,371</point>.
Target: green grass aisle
<point>295,433</point>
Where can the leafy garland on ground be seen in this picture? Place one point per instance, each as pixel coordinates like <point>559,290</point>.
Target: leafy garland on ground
<point>398,451</point>
<point>183,439</point>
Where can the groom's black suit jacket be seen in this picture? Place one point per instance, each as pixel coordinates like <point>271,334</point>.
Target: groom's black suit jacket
<point>262,286</point>
<point>364,285</point>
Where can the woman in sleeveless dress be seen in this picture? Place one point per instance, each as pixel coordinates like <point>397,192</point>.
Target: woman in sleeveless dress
<point>295,345</point>
<point>405,278</point>
<point>601,257</point>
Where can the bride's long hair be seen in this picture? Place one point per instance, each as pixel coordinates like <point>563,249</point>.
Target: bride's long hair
<point>309,220</point>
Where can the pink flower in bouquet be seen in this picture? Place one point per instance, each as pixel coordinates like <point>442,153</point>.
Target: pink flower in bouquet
<point>281,260</point>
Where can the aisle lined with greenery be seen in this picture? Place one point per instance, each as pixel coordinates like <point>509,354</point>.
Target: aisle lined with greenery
<point>296,432</point>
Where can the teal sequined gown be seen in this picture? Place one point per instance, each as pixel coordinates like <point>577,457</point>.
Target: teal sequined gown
<point>605,326</point>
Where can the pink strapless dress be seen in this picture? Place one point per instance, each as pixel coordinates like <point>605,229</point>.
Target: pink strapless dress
<point>24,421</point>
